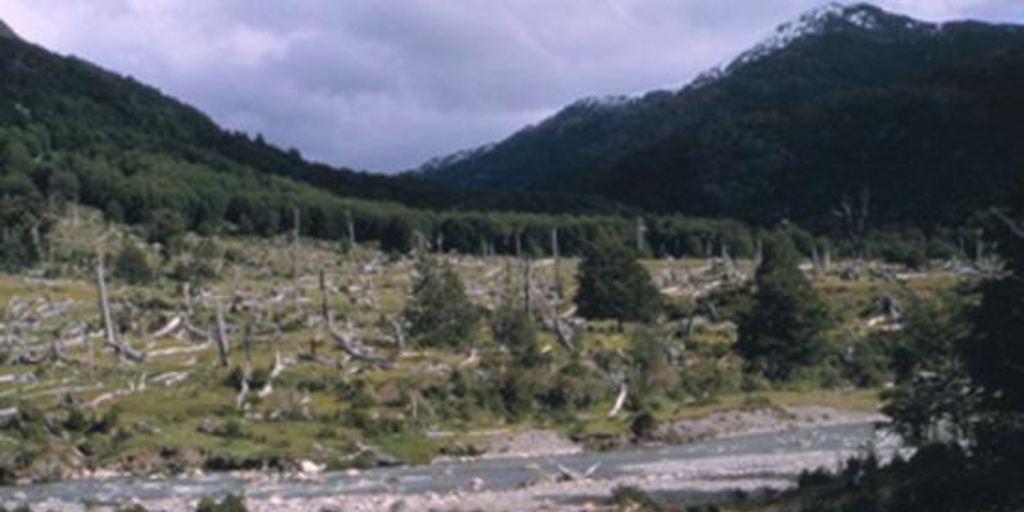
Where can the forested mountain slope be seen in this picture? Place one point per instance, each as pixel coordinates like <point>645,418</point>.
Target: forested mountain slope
<point>910,123</point>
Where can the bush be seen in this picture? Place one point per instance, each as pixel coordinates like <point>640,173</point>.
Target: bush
<point>230,503</point>
<point>440,314</point>
<point>132,265</point>
<point>784,330</point>
<point>575,387</point>
<point>643,425</point>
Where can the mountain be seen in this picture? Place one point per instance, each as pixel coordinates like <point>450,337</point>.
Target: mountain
<point>847,108</point>
<point>71,105</point>
<point>6,32</point>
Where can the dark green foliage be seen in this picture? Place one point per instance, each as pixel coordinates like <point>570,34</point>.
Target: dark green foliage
<point>994,357</point>
<point>643,425</point>
<point>576,386</point>
<point>23,229</point>
<point>107,422</point>
<point>21,508</point>
<point>867,363</point>
<point>514,328</point>
<point>784,330</point>
<point>165,227</point>
<point>613,285</point>
<point>933,399</point>
<point>925,119</point>
<point>995,354</point>
<point>230,503</point>
<point>133,508</point>
<point>938,478</point>
<point>653,373</point>
<point>439,313</point>
<point>132,265</point>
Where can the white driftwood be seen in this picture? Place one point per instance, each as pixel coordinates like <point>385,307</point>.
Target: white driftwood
<point>619,401</point>
<point>167,329</point>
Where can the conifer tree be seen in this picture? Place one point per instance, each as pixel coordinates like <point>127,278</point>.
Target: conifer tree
<point>613,285</point>
<point>784,329</point>
<point>439,313</point>
<point>994,355</point>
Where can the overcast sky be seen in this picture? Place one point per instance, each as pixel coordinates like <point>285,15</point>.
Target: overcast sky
<point>385,84</point>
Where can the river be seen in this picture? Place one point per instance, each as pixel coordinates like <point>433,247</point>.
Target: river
<point>694,472</point>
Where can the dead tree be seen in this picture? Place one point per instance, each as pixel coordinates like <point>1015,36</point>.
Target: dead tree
<point>527,286</point>
<point>351,229</point>
<point>620,400</point>
<point>1016,229</point>
<point>243,386</point>
<point>324,312</point>
<point>346,341</point>
<point>641,230</point>
<point>109,334</point>
<point>559,290</point>
<point>854,217</point>
<point>278,367</point>
<point>221,336</point>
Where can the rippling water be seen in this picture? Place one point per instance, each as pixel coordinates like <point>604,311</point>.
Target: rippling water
<point>755,454</point>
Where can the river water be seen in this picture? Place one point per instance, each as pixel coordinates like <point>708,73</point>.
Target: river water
<point>719,465</point>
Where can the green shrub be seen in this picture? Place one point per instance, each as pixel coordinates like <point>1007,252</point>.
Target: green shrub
<point>132,265</point>
<point>230,503</point>
<point>643,425</point>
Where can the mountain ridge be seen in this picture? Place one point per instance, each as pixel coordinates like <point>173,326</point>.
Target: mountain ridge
<point>754,129</point>
<point>7,32</point>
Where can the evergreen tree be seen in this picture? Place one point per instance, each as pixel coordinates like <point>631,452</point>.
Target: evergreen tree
<point>613,285</point>
<point>784,330</point>
<point>439,313</point>
<point>994,355</point>
<point>932,399</point>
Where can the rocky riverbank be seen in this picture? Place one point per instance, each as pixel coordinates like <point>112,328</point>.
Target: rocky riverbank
<point>702,471</point>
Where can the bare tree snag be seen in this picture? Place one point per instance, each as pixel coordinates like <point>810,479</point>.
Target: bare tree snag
<point>221,336</point>
<point>641,230</point>
<point>243,386</point>
<point>104,305</point>
<point>109,334</point>
<point>346,342</point>
<point>564,333</point>
<point>1012,225</point>
<point>276,370</point>
<point>186,298</point>
<point>527,286</point>
<point>323,297</point>
<point>351,229</point>
<point>399,333</point>
<point>559,289</point>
